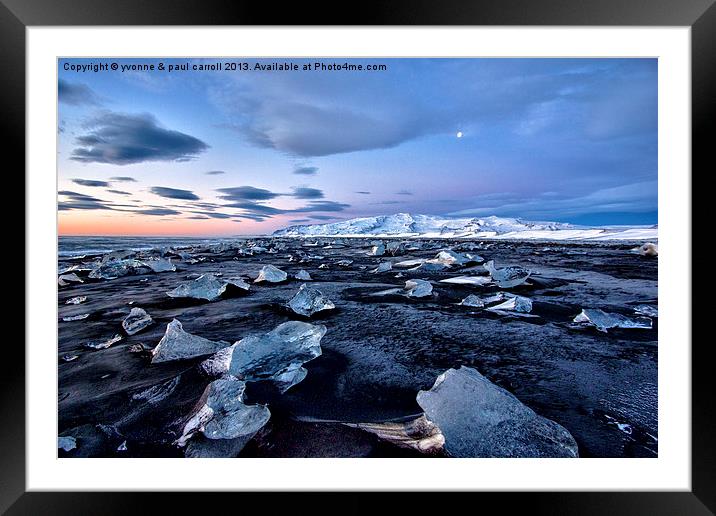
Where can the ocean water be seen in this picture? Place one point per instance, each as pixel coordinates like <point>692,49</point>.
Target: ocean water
<point>77,246</point>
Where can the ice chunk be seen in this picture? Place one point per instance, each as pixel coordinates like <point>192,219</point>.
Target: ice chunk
<point>649,250</point>
<point>344,263</point>
<point>309,301</point>
<point>410,263</point>
<point>123,446</point>
<point>104,344</point>
<point>66,279</point>
<point>603,320</point>
<point>271,274</point>
<point>292,375</point>
<point>480,419</point>
<point>647,310</point>
<point>112,269</point>
<point>450,257</point>
<point>205,287</point>
<point>75,317</point>
<point>507,277</point>
<point>69,358</point>
<point>417,434</point>
<point>238,283</point>
<point>202,448</point>
<point>514,304</point>
<point>161,265</point>
<point>136,321</point>
<point>383,267</point>
<point>478,281</point>
<point>430,266</point>
<point>473,301</point>
<point>221,414</point>
<point>303,275</point>
<point>66,443</point>
<point>268,356</point>
<point>176,344</point>
<point>377,250</point>
<point>76,300</point>
<point>418,288</point>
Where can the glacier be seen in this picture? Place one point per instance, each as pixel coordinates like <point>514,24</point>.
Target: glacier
<point>406,225</point>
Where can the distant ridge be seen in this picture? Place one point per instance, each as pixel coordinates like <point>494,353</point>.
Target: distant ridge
<point>431,226</point>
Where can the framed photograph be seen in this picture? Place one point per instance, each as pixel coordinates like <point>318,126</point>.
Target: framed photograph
<point>438,249</point>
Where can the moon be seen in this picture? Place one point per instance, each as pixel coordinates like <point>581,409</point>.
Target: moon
<point>459,134</point>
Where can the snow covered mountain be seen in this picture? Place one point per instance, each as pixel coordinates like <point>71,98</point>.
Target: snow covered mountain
<point>431,226</point>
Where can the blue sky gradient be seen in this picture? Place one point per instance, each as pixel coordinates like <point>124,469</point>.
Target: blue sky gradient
<point>247,152</point>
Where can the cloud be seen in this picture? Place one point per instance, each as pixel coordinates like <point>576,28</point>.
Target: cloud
<point>214,172</point>
<point>363,193</point>
<point>76,94</point>
<point>79,201</point>
<point>322,217</point>
<point>213,215</point>
<point>247,193</point>
<point>123,179</point>
<point>307,114</point>
<point>174,193</point>
<point>90,182</point>
<point>124,139</point>
<point>307,193</point>
<point>158,212</point>
<point>119,192</point>
<point>322,206</point>
<point>299,221</point>
<point>403,192</point>
<point>630,198</point>
<point>306,171</point>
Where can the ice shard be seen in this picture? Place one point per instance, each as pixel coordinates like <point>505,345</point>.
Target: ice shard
<point>430,266</point>
<point>112,269</point>
<point>66,279</point>
<point>136,321</point>
<point>473,301</point>
<point>78,317</point>
<point>303,275</point>
<point>478,281</point>
<point>383,267</point>
<point>514,304</point>
<point>271,274</point>
<point>76,300</point>
<point>309,301</point>
<point>450,257</point>
<point>157,393</point>
<point>480,419</point>
<point>507,277</point>
<point>222,414</point>
<point>103,343</point>
<point>176,344</point>
<point>418,434</point>
<point>206,286</point>
<point>418,288</point>
<point>604,321</point>
<point>66,443</point>
<point>238,283</point>
<point>161,265</point>
<point>647,310</point>
<point>377,250</point>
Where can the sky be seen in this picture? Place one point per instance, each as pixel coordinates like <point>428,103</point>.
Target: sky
<point>246,150</point>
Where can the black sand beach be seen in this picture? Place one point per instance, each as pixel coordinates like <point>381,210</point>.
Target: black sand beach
<point>378,350</point>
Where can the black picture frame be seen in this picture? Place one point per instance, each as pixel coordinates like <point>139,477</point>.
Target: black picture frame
<point>700,15</point>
